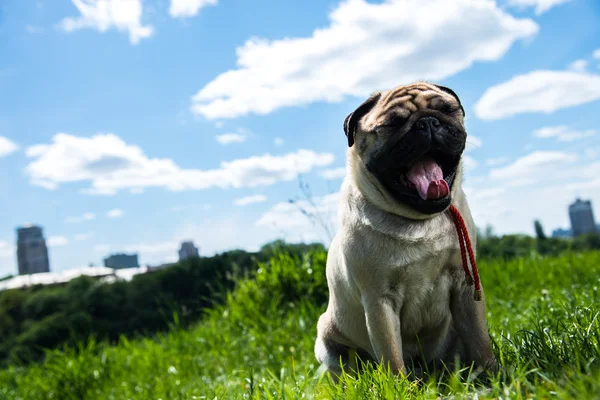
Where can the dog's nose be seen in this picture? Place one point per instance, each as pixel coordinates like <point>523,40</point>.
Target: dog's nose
<point>428,123</point>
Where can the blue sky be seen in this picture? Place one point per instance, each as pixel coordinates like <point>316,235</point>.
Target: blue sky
<point>130,125</point>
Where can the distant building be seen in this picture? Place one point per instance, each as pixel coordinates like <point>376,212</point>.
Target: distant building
<point>561,233</point>
<point>582,217</point>
<point>188,250</point>
<point>32,253</point>
<point>120,261</point>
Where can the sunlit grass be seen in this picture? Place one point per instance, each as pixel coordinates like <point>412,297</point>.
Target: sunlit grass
<point>544,318</point>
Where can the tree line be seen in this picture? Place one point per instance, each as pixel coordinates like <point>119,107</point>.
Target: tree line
<point>44,317</point>
<point>490,245</point>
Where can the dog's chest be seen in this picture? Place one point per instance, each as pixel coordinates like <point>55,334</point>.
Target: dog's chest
<point>422,292</point>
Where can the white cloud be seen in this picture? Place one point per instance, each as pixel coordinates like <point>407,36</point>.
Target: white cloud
<point>563,133</point>
<point>577,173</point>
<point>115,213</point>
<point>334,173</point>
<point>541,6</point>
<point>7,146</point>
<point>366,46</point>
<point>102,15</point>
<point>578,65</point>
<point>473,142</point>
<point>244,201</point>
<point>533,165</point>
<point>304,220</point>
<point>578,186</point>
<point>538,91</point>
<point>229,138</point>
<point>488,193</point>
<point>188,8</point>
<point>57,241</point>
<point>469,163</point>
<point>496,161</point>
<point>110,164</point>
<point>83,236</point>
<point>596,54</point>
<point>88,216</point>
<point>278,142</point>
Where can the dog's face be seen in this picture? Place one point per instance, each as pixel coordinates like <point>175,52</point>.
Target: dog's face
<point>411,140</point>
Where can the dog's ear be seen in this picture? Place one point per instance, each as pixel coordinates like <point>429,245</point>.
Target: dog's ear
<point>451,92</point>
<point>351,121</point>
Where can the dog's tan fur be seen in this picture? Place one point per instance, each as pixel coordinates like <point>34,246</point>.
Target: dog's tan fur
<point>397,292</point>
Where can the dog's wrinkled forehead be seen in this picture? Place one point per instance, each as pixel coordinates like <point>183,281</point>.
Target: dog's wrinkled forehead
<point>406,100</point>
<point>401,102</point>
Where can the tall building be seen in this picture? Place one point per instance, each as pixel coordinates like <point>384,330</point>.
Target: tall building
<point>120,261</point>
<point>32,253</point>
<point>188,250</point>
<point>582,217</point>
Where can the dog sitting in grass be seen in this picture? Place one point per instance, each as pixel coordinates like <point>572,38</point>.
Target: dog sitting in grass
<point>400,290</point>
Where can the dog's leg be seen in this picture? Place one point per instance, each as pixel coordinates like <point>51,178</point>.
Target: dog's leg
<point>333,355</point>
<point>383,326</point>
<point>469,319</point>
<point>335,358</point>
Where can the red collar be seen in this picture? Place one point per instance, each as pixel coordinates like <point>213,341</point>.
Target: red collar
<point>465,242</point>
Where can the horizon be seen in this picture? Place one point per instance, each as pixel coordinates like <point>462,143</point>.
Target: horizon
<point>133,128</point>
<point>482,230</point>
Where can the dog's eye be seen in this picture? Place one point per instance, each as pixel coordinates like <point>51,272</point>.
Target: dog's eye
<point>395,120</point>
<point>447,108</point>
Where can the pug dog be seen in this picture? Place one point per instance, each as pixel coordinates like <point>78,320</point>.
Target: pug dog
<point>397,291</point>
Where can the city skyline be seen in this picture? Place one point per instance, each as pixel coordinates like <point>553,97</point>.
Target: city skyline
<point>135,130</point>
<point>188,248</point>
<point>33,258</point>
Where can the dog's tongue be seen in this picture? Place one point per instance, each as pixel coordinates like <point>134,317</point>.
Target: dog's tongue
<point>428,178</point>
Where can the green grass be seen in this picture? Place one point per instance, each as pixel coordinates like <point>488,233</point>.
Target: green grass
<point>543,315</point>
